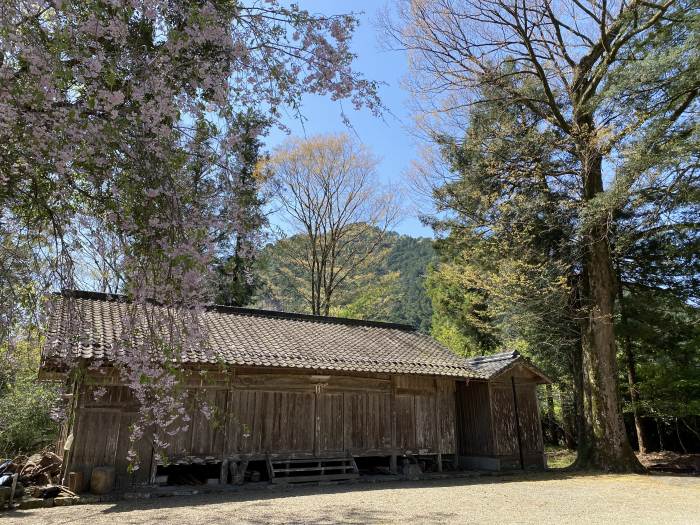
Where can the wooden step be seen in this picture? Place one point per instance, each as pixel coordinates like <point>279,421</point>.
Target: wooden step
<point>306,470</point>
<point>311,469</point>
<point>343,459</point>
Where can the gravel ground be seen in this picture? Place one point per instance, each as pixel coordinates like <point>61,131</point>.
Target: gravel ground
<point>543,498</point>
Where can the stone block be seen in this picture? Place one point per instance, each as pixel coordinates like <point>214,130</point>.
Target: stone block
<point>35,503</point>
<point>412,471</point>
<point>62,501</point>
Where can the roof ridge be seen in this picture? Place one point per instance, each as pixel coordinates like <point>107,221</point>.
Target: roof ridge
<point>240,310</point>
<point>501,356</point>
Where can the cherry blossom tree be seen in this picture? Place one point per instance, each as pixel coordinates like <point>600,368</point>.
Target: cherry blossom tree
<point>125,110</point>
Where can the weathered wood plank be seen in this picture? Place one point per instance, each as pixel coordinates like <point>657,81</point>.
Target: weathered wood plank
<point>208,434</point>
<point>504,425</point>
<point>300,415</point>
<point>447,420</point>
<point>529,417</point>
<point>425,422</point>
<point>96,440</point>
<point>405,422</point>
<point>474,426</point>
<point>306,479</point>
<point>407,384</point>
<point>331,431</point>
<point>143,449</point>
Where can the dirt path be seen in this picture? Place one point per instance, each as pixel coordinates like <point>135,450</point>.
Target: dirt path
<point>544,498</point>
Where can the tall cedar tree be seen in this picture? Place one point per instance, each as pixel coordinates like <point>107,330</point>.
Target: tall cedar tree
<point>657,258</point>
<point>510,266</point>
<point>609,77</point>
<point>240,240</point>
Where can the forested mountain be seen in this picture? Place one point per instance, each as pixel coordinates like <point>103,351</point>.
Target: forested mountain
<point>389,287</point>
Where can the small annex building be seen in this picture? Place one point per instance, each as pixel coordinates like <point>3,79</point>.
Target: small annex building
<point>298,397</point>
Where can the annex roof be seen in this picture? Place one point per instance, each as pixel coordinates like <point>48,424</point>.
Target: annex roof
<point>89,325</point>
<point>494,365</point>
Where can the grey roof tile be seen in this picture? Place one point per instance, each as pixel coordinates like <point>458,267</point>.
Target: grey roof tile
<point>87,325</point>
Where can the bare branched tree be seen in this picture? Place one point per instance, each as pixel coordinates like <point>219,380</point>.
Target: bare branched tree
<point>328,192</point>
<point>585,68</point>
<point>99,255</point>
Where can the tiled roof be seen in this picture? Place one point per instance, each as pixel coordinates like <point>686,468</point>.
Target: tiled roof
<point>87,325</point>
<point>492,364</point>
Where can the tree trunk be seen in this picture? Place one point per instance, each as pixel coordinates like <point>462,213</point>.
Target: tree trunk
<point>634,395</point>
<point>606,446</point>
<point>680,441</point>
<point>631,373</point>
<point>552,427</point>
<point>570,400</point>
<point>578,395</point>
<point>569,416</point>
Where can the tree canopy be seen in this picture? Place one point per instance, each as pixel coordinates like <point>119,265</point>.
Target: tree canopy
<point>607,85</point>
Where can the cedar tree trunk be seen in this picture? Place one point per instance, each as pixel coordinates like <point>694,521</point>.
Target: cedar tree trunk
<point>606,445</point>
<point>552,426</point>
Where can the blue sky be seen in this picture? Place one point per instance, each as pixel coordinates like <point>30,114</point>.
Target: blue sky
<point>388,138</point>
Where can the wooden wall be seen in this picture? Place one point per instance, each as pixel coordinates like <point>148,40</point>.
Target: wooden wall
<point>530,425</point>
<point>505,435</point>
<point>289,414</point>
<point>511,433</point>
<point>488,426</point>
<point>474,430</point>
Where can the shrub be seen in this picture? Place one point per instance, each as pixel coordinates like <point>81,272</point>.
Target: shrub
<point>25,402</point>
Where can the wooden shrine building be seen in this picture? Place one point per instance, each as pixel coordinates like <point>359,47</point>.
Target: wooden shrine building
<point>295,397</point>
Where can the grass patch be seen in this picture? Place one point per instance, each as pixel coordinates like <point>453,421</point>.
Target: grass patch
<point>559,457</point>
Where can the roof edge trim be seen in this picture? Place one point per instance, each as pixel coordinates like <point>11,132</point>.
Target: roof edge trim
<point>239,310</point>
<point>522,360</point>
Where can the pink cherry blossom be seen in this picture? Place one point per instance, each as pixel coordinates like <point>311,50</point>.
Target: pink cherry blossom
<point>111,111</point>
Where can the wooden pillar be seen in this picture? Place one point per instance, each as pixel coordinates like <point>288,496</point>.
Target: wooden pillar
<point>154,469</point>
<point>317,420</point>
<point>73,421</point>
<point>540,442</point>
<point>393,468</point>
<point>492,420</point>
<point>517,424</point>
<point>438,436</point>
<point>223,473</point>
<point>228,402</point>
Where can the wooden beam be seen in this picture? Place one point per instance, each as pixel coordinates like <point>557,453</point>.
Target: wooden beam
<point>223,473</point>
<point>392,408</point>
<point>517,424</point>
<point>438,435</point>
<point>317,419</point>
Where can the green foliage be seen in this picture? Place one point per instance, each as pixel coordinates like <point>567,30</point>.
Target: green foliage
<point>374,300</point>
<point>25,403</point>
<point>510,268</point>
<point>239,242</point>
<point>562,129</point>
<point>397,283</point>
<point>389,287</point>
<point>508,260</point>
<point>460,320</point>
<point>665,335</point>
<point>559,457</point>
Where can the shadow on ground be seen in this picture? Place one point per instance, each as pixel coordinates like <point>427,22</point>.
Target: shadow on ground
<point>265,499</point>
<point>262,506</point>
